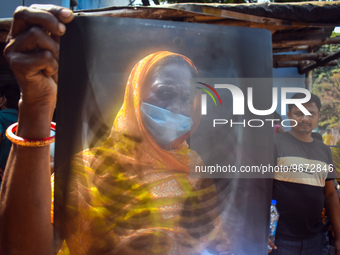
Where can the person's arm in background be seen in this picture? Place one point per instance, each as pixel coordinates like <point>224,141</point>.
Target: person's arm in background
<point>32,52</point>
<point>1,170</point>
<point>332,206</point>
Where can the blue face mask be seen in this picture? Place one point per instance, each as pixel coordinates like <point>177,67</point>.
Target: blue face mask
<point>164,126</point>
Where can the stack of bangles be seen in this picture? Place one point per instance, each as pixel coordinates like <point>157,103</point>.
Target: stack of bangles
<point>28,142</point>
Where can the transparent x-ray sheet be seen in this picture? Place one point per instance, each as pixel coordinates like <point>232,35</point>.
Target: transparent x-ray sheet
<point>118,191</point>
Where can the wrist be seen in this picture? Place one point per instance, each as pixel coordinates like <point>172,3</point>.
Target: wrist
<point>34,121</point>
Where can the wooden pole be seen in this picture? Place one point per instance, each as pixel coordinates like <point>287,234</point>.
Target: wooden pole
<point>308,80</point>
<point>301,64</point>
<point>314,42</point>
<point>326,60</point>
<point>278,64</point>
<point>307,56</point>
<point>288,49</point>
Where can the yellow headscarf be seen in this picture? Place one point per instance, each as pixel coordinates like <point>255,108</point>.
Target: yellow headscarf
<point>129,196</point>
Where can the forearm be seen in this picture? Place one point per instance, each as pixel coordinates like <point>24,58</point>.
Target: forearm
<point>25,210</point>
<point>333,211</point>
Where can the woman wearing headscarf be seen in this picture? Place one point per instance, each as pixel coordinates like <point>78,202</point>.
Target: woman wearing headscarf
<point>134,194</point>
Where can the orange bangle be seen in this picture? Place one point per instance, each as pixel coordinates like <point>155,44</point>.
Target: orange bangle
<point>28,142</point>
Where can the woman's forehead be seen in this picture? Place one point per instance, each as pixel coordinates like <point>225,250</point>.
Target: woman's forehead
<point>174,68</point>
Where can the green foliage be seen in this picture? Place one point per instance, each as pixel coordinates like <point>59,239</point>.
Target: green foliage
<point>327,86</point>
<point>334,34</point>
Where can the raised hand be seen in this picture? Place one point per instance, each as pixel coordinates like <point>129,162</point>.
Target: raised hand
<point>33,48</point>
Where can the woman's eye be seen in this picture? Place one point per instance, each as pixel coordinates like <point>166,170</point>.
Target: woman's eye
<point>165,93</point>
<point>186,98</point>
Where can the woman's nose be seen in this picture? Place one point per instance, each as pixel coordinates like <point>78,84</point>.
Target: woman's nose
<point>175,108</point>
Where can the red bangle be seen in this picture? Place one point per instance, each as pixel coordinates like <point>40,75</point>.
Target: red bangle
<point>29,142</point>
